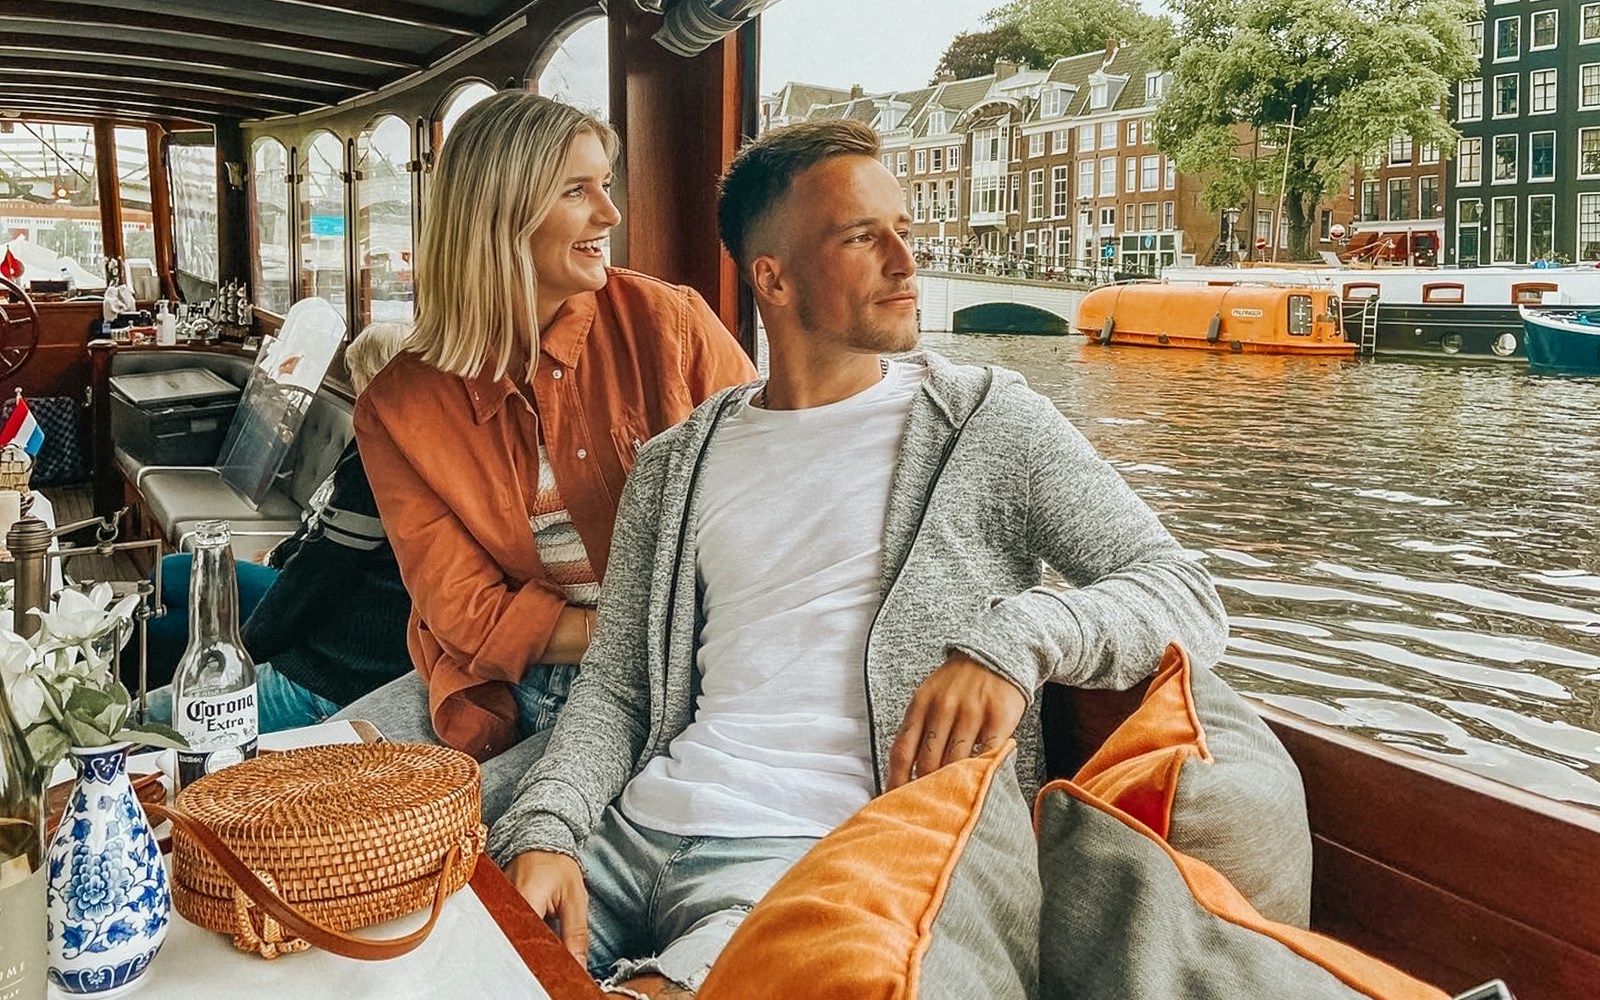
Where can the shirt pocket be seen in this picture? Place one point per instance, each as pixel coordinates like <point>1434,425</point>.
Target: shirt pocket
<point>627,439</point>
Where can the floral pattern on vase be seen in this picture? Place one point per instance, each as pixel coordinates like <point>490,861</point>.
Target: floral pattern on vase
<point>107,898</point>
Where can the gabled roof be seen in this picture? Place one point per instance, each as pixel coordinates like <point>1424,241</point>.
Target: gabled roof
<point>796,100</point>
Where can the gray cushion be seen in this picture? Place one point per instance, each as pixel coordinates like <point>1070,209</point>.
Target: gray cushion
<point>174,496</point>
<point>318,443</point>
<point>1123,916</point>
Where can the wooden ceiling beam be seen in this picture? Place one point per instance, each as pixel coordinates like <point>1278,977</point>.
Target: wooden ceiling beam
<point>97,103</point>
<point>244,103</point>
<point>61,13</point>
<point>191,58</point>
<point>154,97</point>
<point>126,71</point>
<point>399,12</point>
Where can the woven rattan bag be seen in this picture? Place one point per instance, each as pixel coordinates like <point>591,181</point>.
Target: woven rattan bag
<point>291,849</point>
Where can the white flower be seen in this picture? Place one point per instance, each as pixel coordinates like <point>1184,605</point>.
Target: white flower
<point>79,618</point>
<point>18,661</point>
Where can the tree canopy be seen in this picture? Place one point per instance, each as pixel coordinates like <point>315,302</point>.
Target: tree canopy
<point>1038,32</point>
<point>1353,73</point>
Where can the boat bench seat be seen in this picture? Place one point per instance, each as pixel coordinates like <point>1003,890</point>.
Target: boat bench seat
<point>178,498</point>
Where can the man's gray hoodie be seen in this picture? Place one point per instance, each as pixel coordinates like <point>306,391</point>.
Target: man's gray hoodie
<point>991,483</point>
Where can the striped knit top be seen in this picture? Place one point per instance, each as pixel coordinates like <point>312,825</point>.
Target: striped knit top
<point>565,560</point>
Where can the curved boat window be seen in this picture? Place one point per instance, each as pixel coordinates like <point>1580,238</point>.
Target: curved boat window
<point>1300,315</point>
<point>1444,291</point>
<point>133,190</point>
<point>269,219</point>
<point>52,207</point>
<point>383,220</point>
<point>465,97</point>
<point>577,71</point>
<point>194,205</point>
<point>322,227</point>
<point>1531,293</point>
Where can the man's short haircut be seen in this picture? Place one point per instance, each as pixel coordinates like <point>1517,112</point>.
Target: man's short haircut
<point>764,170</point>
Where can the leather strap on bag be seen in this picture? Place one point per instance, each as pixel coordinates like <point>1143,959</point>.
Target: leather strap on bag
<point>267,940</point>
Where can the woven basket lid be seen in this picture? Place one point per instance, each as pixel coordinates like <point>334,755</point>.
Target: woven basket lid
<point>334,820</point>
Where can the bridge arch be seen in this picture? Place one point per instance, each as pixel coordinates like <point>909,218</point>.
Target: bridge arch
<point>1009,317</point>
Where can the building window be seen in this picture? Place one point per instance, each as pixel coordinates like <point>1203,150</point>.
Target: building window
<point>1036,144</point>
<point>1542,30</point>
<point>1108,216</point>
<point>1505,95</point>
<point>1469,212</point>
<point>936,156</point>
<point>1169,216</point>
<point>1035,195</point>
<point>1469,100</point>
<point>1150,173</point>
<point>900,164</point>
<point>1147,131</point>
<point>1108,135</point>
<point>1369,200</point>
<point>919,208</point>
<point>1263,224</point>
<point>1086,138</point>
<point>1590,31</point>
<point>936,123</point>
<point>922,161</point>
<point>1475,37</point>
<point>1427,196</point>
<point>1155,86</point>
<point>1016,182</point>
<point>1149,216</point>
<point>1133,133</point>
<point>1589,87</point>
<point>1542,92</point>
<point>1085,178</point>
<point>1128,219</point>
<point>1399,197</point>
<point>1400,150</point>
<point>1130,174</point>
<point>1505,159</point>
<point>1099,94</point>
<point>1469,161</point>
<point>1050,104</point>
<point>952,204</point>
<point>1063,245</point>
<point>1058,140</point>
<point>952,156</point>
<point>1428,153</point>
<point>1541,226</point>
<point>1507,39</point>
<point>1503,231</point>
<point>1589,152</point>
<point>1542,156</point>
<point>1059,195</point>
<point>1588,226</point>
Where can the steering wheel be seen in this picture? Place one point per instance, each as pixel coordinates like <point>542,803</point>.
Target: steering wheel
<point>19,328</point>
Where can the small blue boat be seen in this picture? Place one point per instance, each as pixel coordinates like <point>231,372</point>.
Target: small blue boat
<point>1562,341</point>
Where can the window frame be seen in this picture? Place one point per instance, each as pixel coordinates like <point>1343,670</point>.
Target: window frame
<point>1475,158</point>
<point>1462,89</point>
<point>1516,96</point>
<point>1532,179</point>
<point>1533,32</point>
<point>1516,39</point>
<point>1516,147</point>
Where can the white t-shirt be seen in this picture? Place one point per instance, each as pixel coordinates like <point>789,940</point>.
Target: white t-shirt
<point>790,540</point>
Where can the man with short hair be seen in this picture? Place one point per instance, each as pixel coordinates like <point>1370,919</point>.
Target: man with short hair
<point>823,586</point>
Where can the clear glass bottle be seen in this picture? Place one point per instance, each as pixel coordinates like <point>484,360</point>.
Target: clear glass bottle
<point>214,687</point>
<point>22,872</point>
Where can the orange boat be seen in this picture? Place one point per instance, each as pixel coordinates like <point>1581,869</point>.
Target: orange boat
<point>1255,319</point>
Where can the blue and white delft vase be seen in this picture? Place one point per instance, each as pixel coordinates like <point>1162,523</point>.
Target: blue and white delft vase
<point>107,897</point>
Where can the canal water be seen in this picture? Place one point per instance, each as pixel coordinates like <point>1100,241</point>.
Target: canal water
<point>1410,550</point>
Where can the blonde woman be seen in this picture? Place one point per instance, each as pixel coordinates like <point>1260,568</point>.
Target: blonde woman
<point>497,442</point>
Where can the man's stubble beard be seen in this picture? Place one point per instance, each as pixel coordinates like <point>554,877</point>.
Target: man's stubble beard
<point>860,335</point>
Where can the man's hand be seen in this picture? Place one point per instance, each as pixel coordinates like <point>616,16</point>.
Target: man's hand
<point>553,885</point>
<point>961,710</point>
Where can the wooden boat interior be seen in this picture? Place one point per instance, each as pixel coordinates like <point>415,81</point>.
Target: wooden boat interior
<point>1455,878</point>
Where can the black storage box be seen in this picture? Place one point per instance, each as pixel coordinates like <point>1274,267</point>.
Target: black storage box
<point>176,417</point>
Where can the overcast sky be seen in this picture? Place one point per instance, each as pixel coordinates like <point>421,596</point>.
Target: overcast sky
<point>880,44</point>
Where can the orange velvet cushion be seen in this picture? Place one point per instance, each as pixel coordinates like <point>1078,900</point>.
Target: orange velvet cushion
<point>930,891</point>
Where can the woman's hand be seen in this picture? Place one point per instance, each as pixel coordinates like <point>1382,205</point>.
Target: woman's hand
<point>553,885</point>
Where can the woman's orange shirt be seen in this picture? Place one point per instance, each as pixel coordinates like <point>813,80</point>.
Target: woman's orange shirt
<point>454,465</point>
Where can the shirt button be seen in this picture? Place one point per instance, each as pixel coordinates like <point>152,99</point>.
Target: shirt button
<point>583,453</point>
<point>556,373</point>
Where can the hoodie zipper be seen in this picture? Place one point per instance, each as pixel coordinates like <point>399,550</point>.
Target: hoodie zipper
<point>922,517</point>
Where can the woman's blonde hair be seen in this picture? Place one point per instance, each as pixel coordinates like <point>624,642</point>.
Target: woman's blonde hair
<point>366,355</point>
<point>496,180</point>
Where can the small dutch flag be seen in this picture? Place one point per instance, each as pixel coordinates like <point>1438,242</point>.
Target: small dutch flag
<point>22,430</point>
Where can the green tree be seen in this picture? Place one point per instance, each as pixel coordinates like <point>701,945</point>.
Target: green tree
<point>1038,32</point>
<point>1353,73</point>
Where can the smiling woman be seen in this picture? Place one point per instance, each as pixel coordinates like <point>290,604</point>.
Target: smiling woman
<point>498,443</point>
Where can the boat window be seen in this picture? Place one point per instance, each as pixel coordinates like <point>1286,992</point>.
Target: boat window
<point>463,98</point>
<point>1357,291</point>
<point>269,220</point>
<point>1530,293</point>
<point>577,70</point>
<point>383,220</point>
<point>320,179</point>
<point>192,164</point>
<point>1333,315</point>
<point>133,192</point>
<point>1448,291</point>
<point>1300,315</point>
<point>51,203</point>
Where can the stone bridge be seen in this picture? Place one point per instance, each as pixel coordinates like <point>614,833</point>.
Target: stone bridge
<point>986,303</point>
